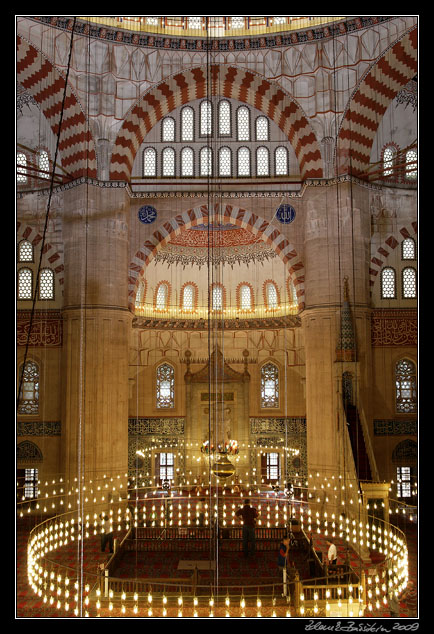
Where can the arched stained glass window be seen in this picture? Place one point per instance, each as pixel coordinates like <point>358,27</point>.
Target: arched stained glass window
<point>245,297</point>
<point>224,118</point>
<point>187,124</point>
<point>411,165</point>
<point>29,392</point>
<point>25,251</point>
<point>162,296</point>
<point>168,159</point>
<point>25,284</point>
<point>243,161</point>
<point>270,385</point>
<point>389,155</point>
<point>409,289</point>
<point>388,283</point>
<point>168,130</point>
<point>281,161</point>
<point>262,162</point>
<point>261,126</point>
<point>46,284</point>
<point>149,162</point>
<point>187,162</point>
<point>205,118</point>
<point>188,297</point>
<point>165,386</point>
<point>217,297</point>
<point>243,124</point>
<point>408,249</point>
<point>206,161</point>
<point>225,161</point>
<point>43,164</point>
<point>21,168</point>
<point>271,298</point>
<point>405,382</point>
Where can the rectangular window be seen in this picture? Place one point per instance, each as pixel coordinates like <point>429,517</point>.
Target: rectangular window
<point>166,467</point>
<point>31,483</point>
<point>270,467</point>
<point>403,477</point>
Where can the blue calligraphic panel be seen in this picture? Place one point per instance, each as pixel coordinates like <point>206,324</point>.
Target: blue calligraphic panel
<point>147,214</point>
<point>285,214</point>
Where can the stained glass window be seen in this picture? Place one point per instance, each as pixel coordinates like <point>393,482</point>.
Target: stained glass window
<point>408,249</point>
<point>388,161</point>
<point>388,283</point>
<point>165,386</point>
<point>271,295</point>
<point>25,251</point>
<point>46,284</point>
<point>187,162</point>
<point>281,161</point>
<point>43,164</point>
<point>411,165</point>
<point>168,129</point>
<point>188,297</point>
<point>205,118</point>
<point>262,162</point>
<point>409,283</point>
<point>206,161</point>
<point>262,129</point>
<point>168,161</point>
<point>243,161</point>
<point>29,393</point>
<point>25,284</point>
<point>21,168</point>
<point>269,385</point>
<point>243,124</point>
<point>225,161</point>
<point>150,162</point>
<point>245,297</point>
<point>162,296</point>
<point>187,124</point>
<point>405,381</point>
<point>224,118</point>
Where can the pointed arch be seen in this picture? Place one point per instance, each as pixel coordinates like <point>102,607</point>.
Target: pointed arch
<point>386,248</point>
<point>51,256</point>
<point>226,81</point>
<point>231,215</point>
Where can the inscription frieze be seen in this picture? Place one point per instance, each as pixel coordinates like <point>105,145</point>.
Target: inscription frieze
<point>395,427</point>
<point>39,428</point>
<point>46,329</point>
<point>394,328</point>
<point>158,426</point>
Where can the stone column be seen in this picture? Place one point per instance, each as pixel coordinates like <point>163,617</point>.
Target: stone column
<point>97,323</point>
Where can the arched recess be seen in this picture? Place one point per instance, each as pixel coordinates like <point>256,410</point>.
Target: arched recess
<point>45,83</point>
<point>386,248</point>
<point>51,256</point>
<point>231,215</point>
<point>378,88</point>
<point>28,452</point>
<point>223,81</point>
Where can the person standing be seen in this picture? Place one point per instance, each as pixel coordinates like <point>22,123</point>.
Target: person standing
<point>107,534</point>
<point>332,555</point>
<point>282,561</point>
<point>248,514</point>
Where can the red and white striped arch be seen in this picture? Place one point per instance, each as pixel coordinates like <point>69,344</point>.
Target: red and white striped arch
<point>223,81</point>
<point>378,260</point>
<point>51,256</point>
<point>227,215</point>
<point>376,91</point>
<point>44,82</point>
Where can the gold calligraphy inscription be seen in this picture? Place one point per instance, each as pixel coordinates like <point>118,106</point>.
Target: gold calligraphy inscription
<point>46,329</point>
<point>394,328</point>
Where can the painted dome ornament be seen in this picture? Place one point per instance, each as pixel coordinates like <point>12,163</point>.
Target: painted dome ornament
<point>147,214</point>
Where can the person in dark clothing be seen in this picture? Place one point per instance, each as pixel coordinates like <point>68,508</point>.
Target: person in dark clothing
<point>107,534</point>
<point>282,557</point>
<point>248,514</point>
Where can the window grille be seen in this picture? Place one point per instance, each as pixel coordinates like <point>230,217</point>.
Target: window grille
<point>150,162</point>
<point>217,298</point>
<point>29,394</point>
<point>224,118</point>
<point>269,385</point>
<point>281,161</point>
<point>411,165</point>
<point>262,162</point>
<point>243,161</point>
<point>403,482</point>
<point>262,129</point>
<point>25,251</point>
<point>405,382</point>
<point>243,124</point>
<point>225,161</point>
<point>187,124</point>
<point>165,386</point>
<point>205,118</point>
<point>188,297</point>
<point>388,283</point>
<point>21,168</point>
<point>168,161</point>
<point>206,161</point>
<point>30,483</point>
<point>388,161</point>
<point>43,164</point>
<point>140,295</point>
<point>46,284</point>
<point>168,130</point>
<point>409,283</point>
<point>25,284</point>
<point>408,249</point>
<point>187,162</point>
<point>245,297</point>
<point>237,22</point>
<point>162,297</point>
<point>271,295</point>
<point>194,22</point>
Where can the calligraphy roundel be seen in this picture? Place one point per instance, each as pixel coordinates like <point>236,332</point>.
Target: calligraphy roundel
<point>285,214</point>
<point>147,214</point>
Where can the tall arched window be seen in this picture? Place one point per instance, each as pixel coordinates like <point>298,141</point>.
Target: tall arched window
<point>405,382</point>
<point>187,162</point>
<point>168,130</point>
<point>409,286</point>
<point>245,297</point>
<point>149,162</point>
<point>188,296</point>
<point>165,386</point>
<point>281,164</point>
<point>168,160</point>
<point>205,118</point>
<point>46,284</point>
<point>271,297</point>
<point>261,127</point>
<point>25,283</point>
<point>29,392</point>
<point>21,168</point>
<point>270,385</point>
<point>141,294</point>
<point>43,164</point>
<point>411,165</point>
<point>206,161</point>
<point>243,124</point>
<point>187,124</point>
<point>243,161</point>
<point>162,296</point>
<point>262,162</point>
<point>388,283</point>
<point>389,156</point>
<point>25,251</point>
<point>224,118</point>
<point>225,161</point>
<point>217,297</point>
